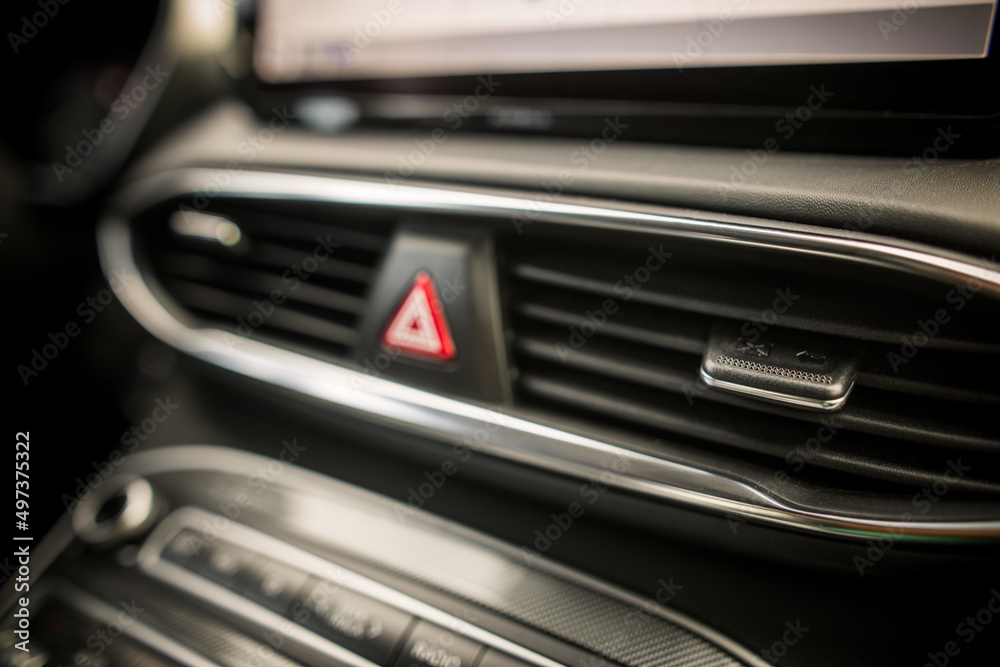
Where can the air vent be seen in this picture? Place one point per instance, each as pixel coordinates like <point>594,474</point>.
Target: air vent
<point>280,273</point>
<point>611,333</point>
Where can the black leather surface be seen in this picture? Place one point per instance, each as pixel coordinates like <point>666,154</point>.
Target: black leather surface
<point>950,203</point>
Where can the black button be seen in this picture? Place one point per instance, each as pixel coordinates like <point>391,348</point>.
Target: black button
<point>496,659</point>
<point>358,623</point>
<point>433,646</point>
<point>272,584</point>
<point>187,549</point>
<point>800,369</point>
<point>219,561</point>
<point>226,564</point>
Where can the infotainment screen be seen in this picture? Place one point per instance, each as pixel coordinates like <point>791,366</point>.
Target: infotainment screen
<point>320,40</point>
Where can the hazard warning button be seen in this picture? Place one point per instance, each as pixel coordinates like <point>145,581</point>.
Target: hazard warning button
<point>419,327</point>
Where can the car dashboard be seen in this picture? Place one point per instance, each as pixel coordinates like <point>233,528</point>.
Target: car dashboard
<point>458,336</point>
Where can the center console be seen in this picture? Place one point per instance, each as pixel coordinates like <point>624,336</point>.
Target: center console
<point>206,555</point>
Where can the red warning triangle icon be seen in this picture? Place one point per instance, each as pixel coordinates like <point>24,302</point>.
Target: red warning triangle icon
<point>419,328</point>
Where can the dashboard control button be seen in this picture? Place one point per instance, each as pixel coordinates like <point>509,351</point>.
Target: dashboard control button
<point>358,623</point>
<point>226,564</point>
<point>433,646</point>
<point>272,584</point>
<point>187,549</point>
<point>787,367</point>
<point>222,562</point>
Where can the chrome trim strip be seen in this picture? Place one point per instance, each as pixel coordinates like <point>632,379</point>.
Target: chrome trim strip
<point>513,438</point>
<point>775,396</point>
<point>258,542</point>
<point>915,258</point>
<point>100,610</point>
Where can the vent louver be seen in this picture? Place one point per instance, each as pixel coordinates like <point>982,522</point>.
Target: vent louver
<point>287,276</point>
<point>601,340</point>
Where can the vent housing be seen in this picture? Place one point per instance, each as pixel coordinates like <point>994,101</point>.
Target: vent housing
<point>297,277</point>
<point>603,339</point>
